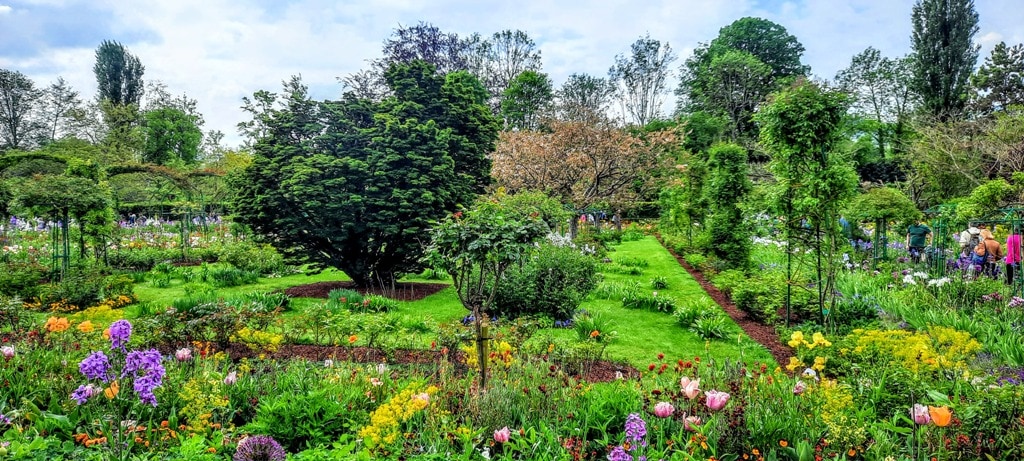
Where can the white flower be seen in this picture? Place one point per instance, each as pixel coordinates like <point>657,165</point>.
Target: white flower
<point>328,363</point>
<point>938,282</point>
<point>909,279</point>
<point>920,275</point>
<point>382,368</point>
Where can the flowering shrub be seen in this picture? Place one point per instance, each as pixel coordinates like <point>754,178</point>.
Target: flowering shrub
<point>934,350</point>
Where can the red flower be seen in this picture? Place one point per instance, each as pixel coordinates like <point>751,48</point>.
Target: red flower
<point>661,356</point>
<point>650,367</point>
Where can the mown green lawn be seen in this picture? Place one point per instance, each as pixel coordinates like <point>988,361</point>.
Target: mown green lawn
<point>640,335</point>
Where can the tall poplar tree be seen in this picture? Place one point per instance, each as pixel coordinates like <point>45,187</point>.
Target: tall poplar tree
<point>944,54</point>
<point>118,74</point>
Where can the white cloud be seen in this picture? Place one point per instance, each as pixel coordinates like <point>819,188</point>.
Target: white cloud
<point>5,9</point>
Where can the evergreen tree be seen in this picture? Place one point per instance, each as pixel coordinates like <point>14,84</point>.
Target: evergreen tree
<point>726,187</point>
<point>118,74</point>
<point>944,54</point>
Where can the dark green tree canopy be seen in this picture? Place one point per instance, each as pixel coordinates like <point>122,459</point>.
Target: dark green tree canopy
<point>944,54</point>
<point>354,184</point>
<point>118,74</point>
<point>767,41</point>
<point>731,75</point>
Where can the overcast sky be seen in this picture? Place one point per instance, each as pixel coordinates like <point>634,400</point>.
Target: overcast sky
<point>218,51</point>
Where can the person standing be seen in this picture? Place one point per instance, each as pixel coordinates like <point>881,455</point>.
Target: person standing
<point>991,250</point>
<point>918,236</point>
<point>1012,254</point>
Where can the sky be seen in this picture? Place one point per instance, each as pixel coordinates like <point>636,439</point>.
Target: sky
<point>218,51</point>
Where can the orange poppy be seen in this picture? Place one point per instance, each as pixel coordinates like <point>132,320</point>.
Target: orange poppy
<point>940,415</point>
<point>783,443</point>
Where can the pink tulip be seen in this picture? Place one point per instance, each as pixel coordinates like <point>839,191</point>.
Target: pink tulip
<point>799,388</point>
<point>8,352</point>
<point>502,435</point>
<point>664,410</point>
<point>231,378</point>
<point>716,400</point>
<point>183,355</point>
<point>691,423</point>
<point>691,388</point>
<point>919,413</point>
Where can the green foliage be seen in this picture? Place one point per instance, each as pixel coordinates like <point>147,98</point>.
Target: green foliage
<point>81,288</point>
<point>13,315</point>
<point>21,279</point>
<point>649,301</point>
<point>726,188</point>
<point>222,277</point>
<point>171,136</point>
<point>689,312</point>
<point>305,419</point>
<point>997,83</point>
<point>251,257</point>
<point>711,327</point>
<point>659,282</point>
<point>526,100</point>
<point>553,281</point>
<point>729,280</point>
<point>986,199</point>
<point>354,184</point>
<point>882,204</point>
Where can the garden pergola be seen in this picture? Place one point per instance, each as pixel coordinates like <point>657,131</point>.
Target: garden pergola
<point>945,232</point>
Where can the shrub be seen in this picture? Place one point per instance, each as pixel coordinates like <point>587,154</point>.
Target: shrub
<point>632,262</point>
<point>251,257</point>
<point>299,420</point>
<point>80,289</point>
<point>21,279</point>
<point>728,280</point>
<point>231,277</point>
<point>553,281</point>
<point>345,296</point>
<point>659,282</point>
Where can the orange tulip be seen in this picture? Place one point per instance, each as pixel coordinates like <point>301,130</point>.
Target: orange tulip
<point>940,415</point>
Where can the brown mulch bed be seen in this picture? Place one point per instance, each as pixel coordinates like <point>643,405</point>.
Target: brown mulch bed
<point>405,291</point>
<point>763,334</point>
<point>601,371</point>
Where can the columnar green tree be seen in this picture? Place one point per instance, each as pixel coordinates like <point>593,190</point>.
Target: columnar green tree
<point>800,127</point>
<point>354,184</point>
<point>118,74</point>
<point>944,54</point>
<point>727,185</point>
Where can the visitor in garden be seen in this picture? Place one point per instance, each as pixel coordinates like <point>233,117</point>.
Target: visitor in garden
<point>1012,254</point>
<point>987,253</point>
<point>918,236</point>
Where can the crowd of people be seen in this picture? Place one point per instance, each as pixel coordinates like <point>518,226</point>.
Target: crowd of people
<point>980,253</point>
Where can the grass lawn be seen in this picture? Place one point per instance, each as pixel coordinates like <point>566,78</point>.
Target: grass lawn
<point>641,334</point>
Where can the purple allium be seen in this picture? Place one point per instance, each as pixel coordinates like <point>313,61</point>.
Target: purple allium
<point>145,367</point>
<point>636,431</point>
<point>259,448</point>
<point>95,366</point>
<point>85,392</point>
<point>619,454</point>
<point>120,333</point>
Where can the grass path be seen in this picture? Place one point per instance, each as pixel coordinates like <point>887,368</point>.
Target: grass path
<point>641,335</point>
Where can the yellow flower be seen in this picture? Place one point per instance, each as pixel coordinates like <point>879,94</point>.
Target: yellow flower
<point>819,363</point>
<point>794,363</point>
<point>86,327</point>
<point>796,339</point>
<point>819,340</point>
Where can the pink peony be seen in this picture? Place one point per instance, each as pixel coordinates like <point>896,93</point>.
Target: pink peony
<point>716,400</point>
<point>502,435</point>
<point>664,410</point>
<point>183,355</point>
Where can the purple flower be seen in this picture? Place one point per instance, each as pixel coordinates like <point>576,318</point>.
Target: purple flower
<point>636,430</point>
<point>85,392</point>
<point>145,367</point>
<point>619,454</point>
<point>259,447</point>
<point>120,333</point>
<point>95,366</point>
